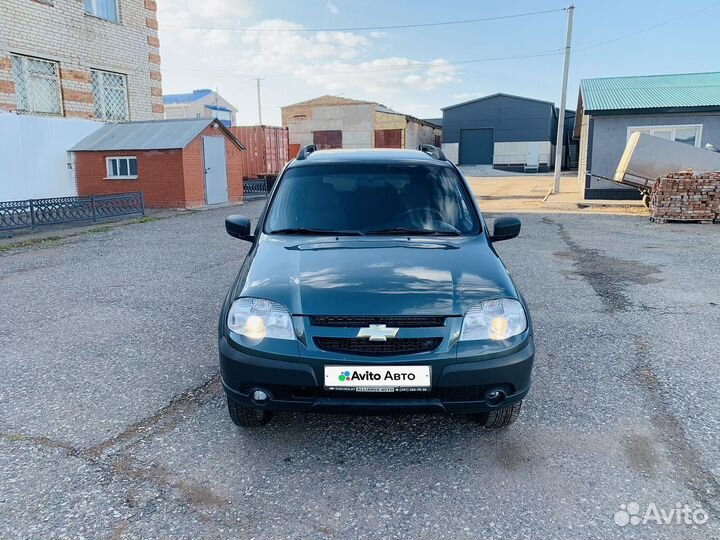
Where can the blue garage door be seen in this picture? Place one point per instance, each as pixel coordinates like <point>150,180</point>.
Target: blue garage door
<point>476,146</point>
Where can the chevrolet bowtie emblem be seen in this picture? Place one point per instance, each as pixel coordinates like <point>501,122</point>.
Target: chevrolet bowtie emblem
<point>377,332</point>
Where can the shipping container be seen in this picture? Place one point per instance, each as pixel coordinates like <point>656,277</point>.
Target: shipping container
<point>266,149</point>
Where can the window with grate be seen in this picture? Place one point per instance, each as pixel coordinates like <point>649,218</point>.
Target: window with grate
<point>37,85</point>
<point>105,9</point>
<point>110,96</point>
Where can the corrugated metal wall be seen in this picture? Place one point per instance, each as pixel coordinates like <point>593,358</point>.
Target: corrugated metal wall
<point>266,149</point>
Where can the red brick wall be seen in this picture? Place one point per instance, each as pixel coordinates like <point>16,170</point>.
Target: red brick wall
<point>160,176</point>
<point>167,178</point>
<point>194,169</point>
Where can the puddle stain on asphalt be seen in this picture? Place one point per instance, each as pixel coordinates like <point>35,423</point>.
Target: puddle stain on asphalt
<point>641,453</point>
<point>608,276</point>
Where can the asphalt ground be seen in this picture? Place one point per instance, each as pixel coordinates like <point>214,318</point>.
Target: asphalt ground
<point>113,423</point>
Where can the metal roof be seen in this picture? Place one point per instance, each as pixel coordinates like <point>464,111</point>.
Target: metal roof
<point>493,96</point>
<point>651,92</point>
<point>174,99</point>
<point>149,135</point>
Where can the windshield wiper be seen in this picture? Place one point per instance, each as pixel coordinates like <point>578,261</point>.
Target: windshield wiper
<point>409,231</point>
<point>309,230</point>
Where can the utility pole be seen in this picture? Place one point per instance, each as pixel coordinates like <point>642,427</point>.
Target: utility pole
<point>259,103</point>
<point>563,98</point>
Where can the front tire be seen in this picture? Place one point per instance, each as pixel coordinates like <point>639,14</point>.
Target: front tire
<point>500,418</point>
<point>247,417</point>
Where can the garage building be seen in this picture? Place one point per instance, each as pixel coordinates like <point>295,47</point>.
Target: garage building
<point>505,131</point>
<point>337,122</point>
<point>175,163</point>
<point>682,107</point>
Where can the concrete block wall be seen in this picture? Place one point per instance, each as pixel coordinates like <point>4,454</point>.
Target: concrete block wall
<point>417,134</point>
<point>391,121</point>
<point>61,31</point>
<point>356,121</point>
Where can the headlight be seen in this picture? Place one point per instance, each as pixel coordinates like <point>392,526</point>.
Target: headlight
<point>494,319</point>
<point>257,319</point>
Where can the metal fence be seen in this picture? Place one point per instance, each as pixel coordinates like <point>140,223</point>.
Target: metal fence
<point>36,212</point>
<point>255,189</point>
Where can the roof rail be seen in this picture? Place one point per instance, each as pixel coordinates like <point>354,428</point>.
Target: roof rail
<point>433,151</point>
<point>305,151</point>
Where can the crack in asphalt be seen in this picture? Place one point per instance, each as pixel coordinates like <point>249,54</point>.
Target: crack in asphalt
<point>687,460</point>
<point>121,464</point>
<point>608,276</point>
<point>135,433</point>
<point>595,267</point>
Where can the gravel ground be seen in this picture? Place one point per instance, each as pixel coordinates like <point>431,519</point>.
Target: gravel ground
<point>114,425</point>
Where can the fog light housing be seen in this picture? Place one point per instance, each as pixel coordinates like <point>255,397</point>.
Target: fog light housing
<point>259,395</point>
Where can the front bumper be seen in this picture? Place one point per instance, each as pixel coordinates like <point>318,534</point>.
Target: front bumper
<point>459,384</point>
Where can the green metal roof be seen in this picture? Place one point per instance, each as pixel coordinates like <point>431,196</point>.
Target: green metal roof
<point>651,92</point>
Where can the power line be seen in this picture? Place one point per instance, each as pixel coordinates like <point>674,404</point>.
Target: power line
<point>419,65</point>
<point>647,29</point>
<point>367,28</point>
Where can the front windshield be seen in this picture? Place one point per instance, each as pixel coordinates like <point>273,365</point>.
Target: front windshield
<point>371,199</point>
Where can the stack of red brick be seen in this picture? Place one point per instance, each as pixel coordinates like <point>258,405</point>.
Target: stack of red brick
<point>686,196</point>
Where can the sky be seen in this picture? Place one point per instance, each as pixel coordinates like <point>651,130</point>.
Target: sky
<point>302,49</point>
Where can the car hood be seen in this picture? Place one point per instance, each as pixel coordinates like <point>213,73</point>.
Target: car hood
<point>374,275</point>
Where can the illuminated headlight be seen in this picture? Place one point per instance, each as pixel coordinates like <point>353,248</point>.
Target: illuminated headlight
<point>494,319</point>
<point>257,319</point>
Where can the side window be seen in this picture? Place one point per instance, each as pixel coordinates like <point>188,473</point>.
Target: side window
<point>122,167</point>
<point>110,96</point>
<point>105,9</point>
<point>37,85</point>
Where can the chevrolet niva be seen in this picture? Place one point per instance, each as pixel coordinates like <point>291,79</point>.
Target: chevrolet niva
<point>372,287</point>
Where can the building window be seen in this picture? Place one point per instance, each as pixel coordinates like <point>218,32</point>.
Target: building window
<point>110,96</point>
<point>37,85</point>
<point>105,9</point>
<point>122,167</point>
<point>688,134</point>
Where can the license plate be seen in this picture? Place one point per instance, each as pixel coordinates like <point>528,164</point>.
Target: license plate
<point>377,378</point>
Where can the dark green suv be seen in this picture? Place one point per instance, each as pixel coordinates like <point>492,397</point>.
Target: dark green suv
<point>372,287</point>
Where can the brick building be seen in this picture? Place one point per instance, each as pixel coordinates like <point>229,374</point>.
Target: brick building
<point>175,163</point>
<point>93,59</point>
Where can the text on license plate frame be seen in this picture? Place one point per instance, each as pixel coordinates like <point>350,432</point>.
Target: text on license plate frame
<point>365,378</point>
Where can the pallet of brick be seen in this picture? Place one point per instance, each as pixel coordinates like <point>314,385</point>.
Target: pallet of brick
<point>686,196</point>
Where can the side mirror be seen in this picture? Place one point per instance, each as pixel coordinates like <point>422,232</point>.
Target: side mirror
<point>505,228</point>
<point>238,227</point>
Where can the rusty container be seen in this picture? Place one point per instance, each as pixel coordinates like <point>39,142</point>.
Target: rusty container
<point>266,149</point>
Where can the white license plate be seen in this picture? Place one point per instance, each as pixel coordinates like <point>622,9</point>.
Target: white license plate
<point>375,378</point>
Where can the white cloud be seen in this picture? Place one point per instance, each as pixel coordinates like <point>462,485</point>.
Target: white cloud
<point>218,10</point>
<point>332,8</point>
<point>295,64</point>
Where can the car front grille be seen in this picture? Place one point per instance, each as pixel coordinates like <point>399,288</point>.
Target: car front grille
<point>365,347</point>
<point>395,321</point>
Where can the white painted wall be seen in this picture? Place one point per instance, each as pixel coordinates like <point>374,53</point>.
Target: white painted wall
<point>452,151</point>
<point>34,155</point>
<point>516,153</point>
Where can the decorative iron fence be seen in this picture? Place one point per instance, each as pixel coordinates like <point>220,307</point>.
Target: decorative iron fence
<point>36,212</point>
<point>255,189</point>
